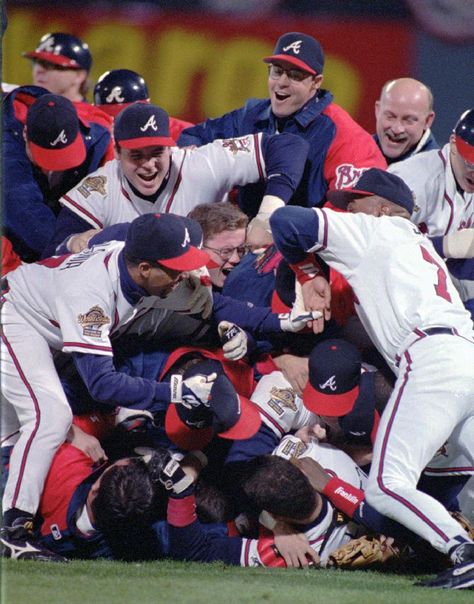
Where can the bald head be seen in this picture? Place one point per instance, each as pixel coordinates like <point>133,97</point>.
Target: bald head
<point>403,113</point>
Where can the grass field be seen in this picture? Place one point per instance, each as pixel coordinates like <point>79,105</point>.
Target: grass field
<point>103,582</point>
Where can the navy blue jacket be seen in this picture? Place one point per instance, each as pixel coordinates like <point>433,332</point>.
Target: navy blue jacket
<point>30,205</point>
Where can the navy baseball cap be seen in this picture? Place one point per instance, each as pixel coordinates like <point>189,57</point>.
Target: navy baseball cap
<point>334,383</point>
<point>375,182</point>
<point>64,50</point>
<point>228,414</point>
<point>53,134</point>
<point>464,133</point>
<point>300,50</point>
<point>165,239</point>
<point>142,125</point>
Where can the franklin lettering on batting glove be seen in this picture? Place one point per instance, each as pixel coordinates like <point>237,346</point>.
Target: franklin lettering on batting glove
<point>234,340</point>
<point>192,391</point>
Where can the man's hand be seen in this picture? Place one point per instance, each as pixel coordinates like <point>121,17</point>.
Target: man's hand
<point>79,242</point>
<point>316,474</point>
<point>316,295</point>
<point>234,340</point>
<point>294,547</point>
<point>295,370</point>
<point>258,235</point>
<point>87,443</point>
<point>192,391</point>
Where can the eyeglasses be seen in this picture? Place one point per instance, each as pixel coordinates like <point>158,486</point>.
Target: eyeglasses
<point>295,75</point>
<point>226,253</point>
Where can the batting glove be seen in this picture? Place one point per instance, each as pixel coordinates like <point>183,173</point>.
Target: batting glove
<point>175,479</point>
<point>234,340</point>
<point>193,391</point>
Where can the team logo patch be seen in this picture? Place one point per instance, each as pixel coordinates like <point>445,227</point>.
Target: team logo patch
<point>61,138</point>
<point>282,398</point>
<point>92,322</point>
<point>330,383</point>
<point>294,46</point>
<point>347,175</point>
<point>235,145</point>
<point>91,184</point>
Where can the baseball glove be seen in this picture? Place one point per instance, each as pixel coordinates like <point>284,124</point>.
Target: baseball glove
<point>369,551</point>
<point>464,522</point>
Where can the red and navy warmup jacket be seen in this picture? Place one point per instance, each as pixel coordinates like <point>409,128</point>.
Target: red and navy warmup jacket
<point>29,200</point>
<point>339,151</point>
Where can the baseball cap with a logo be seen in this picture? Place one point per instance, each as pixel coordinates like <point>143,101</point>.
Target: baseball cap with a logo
<point>464,134</point>
<point>142,125</point>
<point>52,131</point>
<point>227,415</point>
<point>164,239</point>
<point>63,50</point>
<point>375,182</point>
<point>334,383</point>
<point>300,50</point>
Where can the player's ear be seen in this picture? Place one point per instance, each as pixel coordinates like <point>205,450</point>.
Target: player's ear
<point>317,81</point>
<point>385,209</point>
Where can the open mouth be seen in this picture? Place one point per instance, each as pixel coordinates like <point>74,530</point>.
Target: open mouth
<point>147,177</point>
<point>281,96</point>
<point>395,139</point>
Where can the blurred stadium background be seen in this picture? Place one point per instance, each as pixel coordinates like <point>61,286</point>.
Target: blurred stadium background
<point>203,57</point>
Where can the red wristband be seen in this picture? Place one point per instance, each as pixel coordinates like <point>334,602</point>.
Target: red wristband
<point>307,269</point>
<point>181,512</point>
<point>343,496</point>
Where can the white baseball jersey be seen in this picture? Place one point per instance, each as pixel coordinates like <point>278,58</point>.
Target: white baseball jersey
<point>202,175</point>
<point>439,205</point>
<point>385,260</point>
<point>75,302</point>
<point>280,408</point>
<point>325,535</point>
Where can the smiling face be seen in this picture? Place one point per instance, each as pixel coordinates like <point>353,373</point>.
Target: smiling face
<point>287,95</point>
<point>402,115</point>
<point>145,168</point>
<point>224,262</point>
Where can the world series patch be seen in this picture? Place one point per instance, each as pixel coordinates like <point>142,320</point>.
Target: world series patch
<point>92,322</point>
<point>91,184</point>
<point>234,145</point>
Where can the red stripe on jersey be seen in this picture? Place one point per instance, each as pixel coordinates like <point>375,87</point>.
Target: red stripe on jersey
<point>83,211</point>
<point>87,346</point>
<point>37,410</point>
<point>176,184</point>
<point>258,155</point>
<point>272,421</point>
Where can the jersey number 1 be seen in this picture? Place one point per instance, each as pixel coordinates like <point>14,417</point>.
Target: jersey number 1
<point>440,287</point>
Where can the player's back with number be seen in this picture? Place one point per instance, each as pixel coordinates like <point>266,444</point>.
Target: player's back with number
<point>395,293</point>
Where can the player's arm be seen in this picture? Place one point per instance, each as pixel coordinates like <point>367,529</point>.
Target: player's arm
<point>228,125</point>
<point>26,215</point>
<point>295,232</point>
<point>68,224</point>
<point>351,500</point>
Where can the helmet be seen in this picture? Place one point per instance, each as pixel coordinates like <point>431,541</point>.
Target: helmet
<point>464,132</point>
<point>118,88</point>
<point>64,50</point>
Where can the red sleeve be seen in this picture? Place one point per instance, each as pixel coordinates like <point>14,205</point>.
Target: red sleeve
<point>352,151</point>
<point>10,260</point>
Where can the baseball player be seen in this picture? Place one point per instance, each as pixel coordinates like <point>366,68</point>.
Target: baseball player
<point>340,150</point>
<point>61,64</point>
<point>443,186</point>
<point>403,118</point>
<point>75,303</point>
<point>43,158</point>
<point>118,88</point>
<point>415,318</point>
<point>150,175</point>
